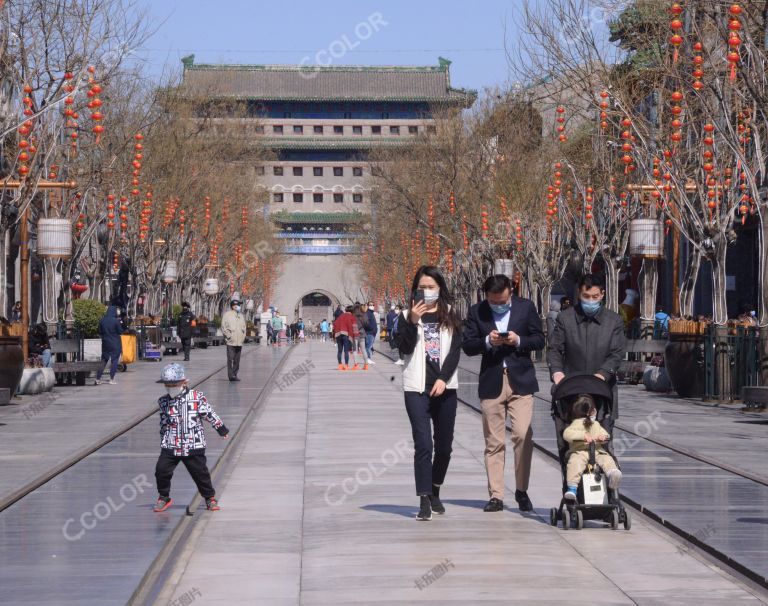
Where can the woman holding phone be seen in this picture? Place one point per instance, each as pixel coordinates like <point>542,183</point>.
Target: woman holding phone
<point>429,339</point>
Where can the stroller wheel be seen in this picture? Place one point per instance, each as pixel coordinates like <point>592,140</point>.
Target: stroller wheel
<point>615,519</point>
<point>627,520</point>
<point>579,519</point>
<point>553,516</point>
<point>566,519</point>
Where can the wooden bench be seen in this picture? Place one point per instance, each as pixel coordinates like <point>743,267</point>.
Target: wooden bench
<point>755,398</point>
<point>74,366</point>
<point>631,370</point>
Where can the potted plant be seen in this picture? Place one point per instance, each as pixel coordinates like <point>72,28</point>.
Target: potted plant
<point>88,313</point>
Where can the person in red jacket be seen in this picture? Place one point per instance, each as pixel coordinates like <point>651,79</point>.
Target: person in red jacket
<point>345,329</point>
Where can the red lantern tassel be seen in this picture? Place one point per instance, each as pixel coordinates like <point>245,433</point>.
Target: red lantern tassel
<point>732,76</point>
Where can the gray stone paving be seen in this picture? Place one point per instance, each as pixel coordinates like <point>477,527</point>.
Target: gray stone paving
<point>39,432</point>
<point>88,536</point>
<point>319,509</point>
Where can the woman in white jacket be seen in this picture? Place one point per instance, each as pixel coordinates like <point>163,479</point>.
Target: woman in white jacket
<point>429,339</point>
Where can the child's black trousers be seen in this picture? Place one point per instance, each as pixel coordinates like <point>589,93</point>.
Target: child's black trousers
<point>196,466</point>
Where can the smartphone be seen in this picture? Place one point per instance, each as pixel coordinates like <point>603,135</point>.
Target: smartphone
<point>418,296</point>
<point>503,335</point>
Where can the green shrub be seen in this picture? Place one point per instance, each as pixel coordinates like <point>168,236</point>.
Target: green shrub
<point>87,314</point>
<point>175,312</point>
<point>217,321</point>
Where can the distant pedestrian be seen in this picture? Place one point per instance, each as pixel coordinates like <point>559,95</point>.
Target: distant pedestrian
<point>40,345</point>
<point>390,325</point>
<point>565,303</point>
<point>371,326</point>
<point>394,338</point>
<point>324,330</point>
<point>183,439</point>
<point>110,329</point>
<point>184,325</point>
<point>344,329</point>
<point>277,327</point>
<point>554,311</point>
<point>747,317</point>
<point>233,327</point>
<point>16,312</point>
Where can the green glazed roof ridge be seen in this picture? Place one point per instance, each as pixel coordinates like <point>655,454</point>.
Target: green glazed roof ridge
<point>454,94</point>
<point>315,68</point>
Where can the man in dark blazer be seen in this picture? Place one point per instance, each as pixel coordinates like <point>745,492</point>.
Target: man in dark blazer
<point>505,329</point>
<point>588,338</point>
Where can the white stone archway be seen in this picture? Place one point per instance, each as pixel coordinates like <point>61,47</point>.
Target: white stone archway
<point>337,276</point>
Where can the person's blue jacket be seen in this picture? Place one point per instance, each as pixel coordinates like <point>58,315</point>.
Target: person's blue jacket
<point>110,329</point>
<point>370,323</point>
<point>391,321</point>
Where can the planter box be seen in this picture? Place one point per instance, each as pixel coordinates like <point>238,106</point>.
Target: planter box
<point>36,380</point>
<point>92,350</point>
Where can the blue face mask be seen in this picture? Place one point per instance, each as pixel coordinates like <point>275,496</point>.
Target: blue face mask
<point>500,309</point>
<point>590,308</point>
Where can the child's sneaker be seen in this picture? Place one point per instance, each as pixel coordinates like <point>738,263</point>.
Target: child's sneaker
<point>342,367</point>
<point>97,382</point>
<point>162,504</point>
<point>614,477</point>
<point>112,382</point>
<point>212,504</point>
<point>365,367</point>
<point>570,494</point>
<point>355,367</point>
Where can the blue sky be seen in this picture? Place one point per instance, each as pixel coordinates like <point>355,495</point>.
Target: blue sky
<point>405,32</point>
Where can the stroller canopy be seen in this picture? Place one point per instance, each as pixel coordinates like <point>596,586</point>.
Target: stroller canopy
<point>582,383</point>
<point>570,387</point>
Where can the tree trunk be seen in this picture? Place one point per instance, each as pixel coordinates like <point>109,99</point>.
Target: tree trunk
<point>762,312</point>
<point>4,239</point>
<point>611,284</point>
<point>689,283</point>
<point>546,295</point>
<point>719,300</point>
<point>50,294</point>
<point>649,281</point>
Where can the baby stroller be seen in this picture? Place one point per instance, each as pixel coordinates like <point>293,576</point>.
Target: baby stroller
<point>595,500</point>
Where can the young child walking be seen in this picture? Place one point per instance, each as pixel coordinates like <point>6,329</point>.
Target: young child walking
<point>183,441</point>
<point>583,430</point>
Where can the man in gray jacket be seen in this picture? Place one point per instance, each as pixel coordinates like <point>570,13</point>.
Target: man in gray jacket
<point>588,338</point>
<point>233,327</point>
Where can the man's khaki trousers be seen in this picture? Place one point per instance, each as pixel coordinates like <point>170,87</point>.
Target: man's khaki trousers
<point>495,412</point>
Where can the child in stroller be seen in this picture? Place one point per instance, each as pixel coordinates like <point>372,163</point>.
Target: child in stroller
<point>582,409</point>
<point>584,430</point>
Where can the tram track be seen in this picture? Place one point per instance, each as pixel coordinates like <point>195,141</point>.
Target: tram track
<point>87,451</point>
<point>152,584</point>
<point>150,578</point>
